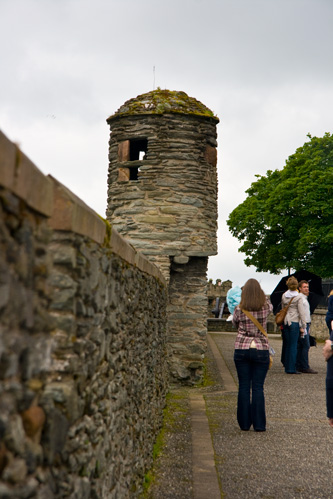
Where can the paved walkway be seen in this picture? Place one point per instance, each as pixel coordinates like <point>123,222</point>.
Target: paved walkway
<point>292,459</point>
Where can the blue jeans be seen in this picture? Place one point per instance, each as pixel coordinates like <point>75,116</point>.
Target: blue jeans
<point>283,349</point>
<point>303,347</point>
<point>252,366</point>
<point>291,334</point>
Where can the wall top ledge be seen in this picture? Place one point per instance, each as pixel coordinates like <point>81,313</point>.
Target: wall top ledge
<point>22,177</point>
<point>121,247</point>
<point>72,214</point>
<point>63,209</point>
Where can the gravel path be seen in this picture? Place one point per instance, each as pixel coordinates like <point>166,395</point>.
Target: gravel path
<point>292,459</point>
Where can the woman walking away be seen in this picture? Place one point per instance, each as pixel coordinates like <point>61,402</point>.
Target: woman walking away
<point>251,356</point>
<point>291,328</point>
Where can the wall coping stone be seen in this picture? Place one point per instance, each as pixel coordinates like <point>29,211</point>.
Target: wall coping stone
<point>72,214</point>
<point>120,246</point>
<point>23,178</point>
<point>64,210</point>
<point>320,311</point>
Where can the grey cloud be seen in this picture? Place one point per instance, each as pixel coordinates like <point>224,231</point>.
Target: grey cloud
<point>263,66</point>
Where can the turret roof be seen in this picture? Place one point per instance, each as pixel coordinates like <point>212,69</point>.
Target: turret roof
<point>163,102</point>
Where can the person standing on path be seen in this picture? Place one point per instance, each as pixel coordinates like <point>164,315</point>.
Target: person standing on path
<point>329,314</point>
<point>303,345</point>
<point>251,356</point>
<point>328,355</point>
<point>291,328</point>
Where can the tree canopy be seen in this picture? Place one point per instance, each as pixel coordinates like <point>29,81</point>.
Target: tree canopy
<point>286,221</point>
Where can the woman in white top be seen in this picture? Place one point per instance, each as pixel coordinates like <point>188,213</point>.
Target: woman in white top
<point>294,324</point>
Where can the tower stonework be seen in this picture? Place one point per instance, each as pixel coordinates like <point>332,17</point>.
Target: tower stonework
<point>162,197</point>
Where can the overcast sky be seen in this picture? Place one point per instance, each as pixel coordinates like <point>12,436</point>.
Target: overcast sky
<point>264,67</point>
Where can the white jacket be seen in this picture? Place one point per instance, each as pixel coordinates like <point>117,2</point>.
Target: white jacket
<point>296,312</point>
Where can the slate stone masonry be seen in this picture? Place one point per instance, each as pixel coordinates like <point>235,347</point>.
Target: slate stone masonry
<point>162,197</point>
<point>83,373</point>
<point>187,319</point>
<point>170,209</point>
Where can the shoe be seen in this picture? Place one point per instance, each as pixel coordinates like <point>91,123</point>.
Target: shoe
<point>296,372</point>
<point>309,371</point>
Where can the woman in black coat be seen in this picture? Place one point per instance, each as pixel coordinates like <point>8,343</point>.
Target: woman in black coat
<point>328,354</point>
<point>329,314</point>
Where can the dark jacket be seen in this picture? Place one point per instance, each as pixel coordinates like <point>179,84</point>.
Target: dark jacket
<point>329,314</point>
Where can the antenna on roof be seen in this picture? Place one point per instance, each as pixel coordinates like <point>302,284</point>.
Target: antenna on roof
<point>153,77</point>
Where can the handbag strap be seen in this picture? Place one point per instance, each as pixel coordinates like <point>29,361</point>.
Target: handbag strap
<point>255,322</point>
<point>289,303</point>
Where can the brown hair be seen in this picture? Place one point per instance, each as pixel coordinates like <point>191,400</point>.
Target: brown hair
<point>292,283</point>
<point>302,282</point>
<point>253,297</point>
<point>331,292</point>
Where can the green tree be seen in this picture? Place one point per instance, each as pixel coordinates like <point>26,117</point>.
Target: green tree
<point>286,221</point>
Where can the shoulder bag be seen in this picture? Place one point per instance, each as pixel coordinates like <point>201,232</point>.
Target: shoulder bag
<point>280,316</point>
<point>260,327</point>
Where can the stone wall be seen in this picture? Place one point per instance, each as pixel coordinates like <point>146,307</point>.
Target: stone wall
<point>171,209</point>
<point>319,328</point>
<point>83,372</point>
<point>220,325</point>
<point>217,295</point>
<point>162,197</point>
<point>187,320</point>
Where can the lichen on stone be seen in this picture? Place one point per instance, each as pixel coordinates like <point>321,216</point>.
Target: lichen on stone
<point>163,102</point>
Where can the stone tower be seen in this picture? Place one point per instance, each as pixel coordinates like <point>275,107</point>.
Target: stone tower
<point>162,197</point>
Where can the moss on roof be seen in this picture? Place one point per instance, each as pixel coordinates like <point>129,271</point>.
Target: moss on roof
<point>162,102</point>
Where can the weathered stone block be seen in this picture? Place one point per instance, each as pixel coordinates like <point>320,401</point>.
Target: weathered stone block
<point>71,214</point>
<point>63,255</point>
<point>15,472</point>
<point>156,219</point>
<point>33,420</point>
<point>55,434</point>
<point>14,437</point>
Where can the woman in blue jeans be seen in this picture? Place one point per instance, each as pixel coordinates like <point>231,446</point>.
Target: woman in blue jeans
<point>294,324</point>
<point>251,356</point>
